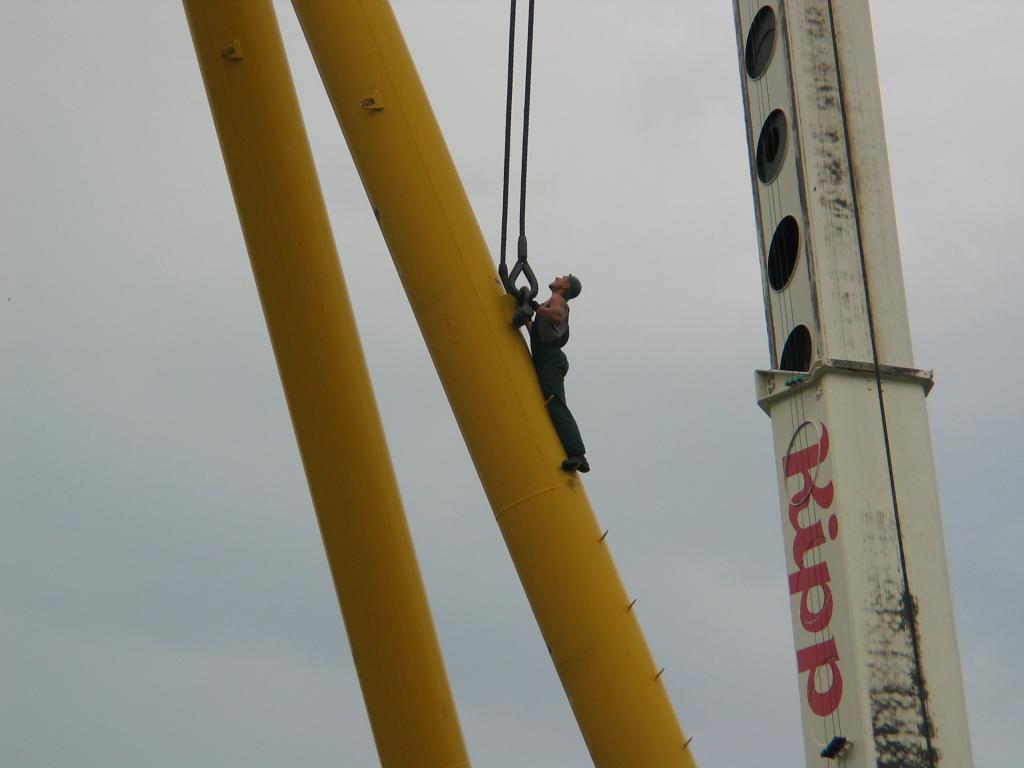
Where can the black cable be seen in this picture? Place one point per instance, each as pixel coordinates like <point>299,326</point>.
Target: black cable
<point>502,267</point>
<point>526,293</point>
<point>526,125</point>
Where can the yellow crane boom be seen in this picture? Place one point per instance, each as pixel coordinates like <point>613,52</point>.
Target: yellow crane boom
<point>326,383</point>
<point>564,563</point>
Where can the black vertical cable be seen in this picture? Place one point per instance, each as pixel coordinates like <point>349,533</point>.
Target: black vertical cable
<point>502,268</point>
<point>526,131</point>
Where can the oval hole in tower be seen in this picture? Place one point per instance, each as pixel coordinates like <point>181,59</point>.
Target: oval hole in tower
<point>771,146</point>
<point>783,253</point>
<point>760,43</point>
<point>796,355</point>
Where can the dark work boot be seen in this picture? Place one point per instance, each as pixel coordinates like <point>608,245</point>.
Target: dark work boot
<point>576,464</point>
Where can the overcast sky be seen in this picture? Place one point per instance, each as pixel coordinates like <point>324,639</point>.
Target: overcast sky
<point>165,597</point>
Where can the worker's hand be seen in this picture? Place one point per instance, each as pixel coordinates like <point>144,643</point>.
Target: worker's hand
<point>523,315</point>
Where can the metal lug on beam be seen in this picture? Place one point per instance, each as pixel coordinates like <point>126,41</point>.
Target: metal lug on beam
<point>233,51</point>
<point>373,102</point>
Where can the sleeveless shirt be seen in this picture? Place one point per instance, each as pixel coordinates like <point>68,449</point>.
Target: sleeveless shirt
<point>553,333</point>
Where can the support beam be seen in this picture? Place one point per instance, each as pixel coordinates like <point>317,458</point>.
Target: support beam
<point>326,383</point>
<point>564,563</point>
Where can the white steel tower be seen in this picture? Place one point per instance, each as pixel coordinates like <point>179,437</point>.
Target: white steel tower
<point>876,652</point>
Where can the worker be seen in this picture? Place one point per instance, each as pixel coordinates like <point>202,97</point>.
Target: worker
<point>549,332</point>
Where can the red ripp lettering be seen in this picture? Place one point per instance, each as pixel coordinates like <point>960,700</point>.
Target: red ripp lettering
<point>801,583</point>
<point>810,660</point>
<point>801,463</point>
<point>806,538</point>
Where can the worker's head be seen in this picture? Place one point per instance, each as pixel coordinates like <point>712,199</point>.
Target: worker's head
<point>568,285</point>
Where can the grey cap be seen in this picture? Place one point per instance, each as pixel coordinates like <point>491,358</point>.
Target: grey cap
<point>575,286</point>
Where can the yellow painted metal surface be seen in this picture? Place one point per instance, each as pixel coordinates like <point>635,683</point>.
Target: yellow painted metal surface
<point>326,384</point>
<point>566,569</point>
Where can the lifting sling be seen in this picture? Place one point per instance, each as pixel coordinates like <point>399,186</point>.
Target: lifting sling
<point>526,294</point>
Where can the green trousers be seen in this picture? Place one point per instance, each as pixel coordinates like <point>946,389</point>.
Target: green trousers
<point>552,366</point>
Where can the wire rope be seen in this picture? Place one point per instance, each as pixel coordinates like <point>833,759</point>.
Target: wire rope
<point>526,128</point>
<point>527,293</point>
<point>502,266</point>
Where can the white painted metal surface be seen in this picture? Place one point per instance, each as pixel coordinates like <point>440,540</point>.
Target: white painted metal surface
<point>877,660</point>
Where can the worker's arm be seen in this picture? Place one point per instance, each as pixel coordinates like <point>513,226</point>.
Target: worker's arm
<point>553,310</point>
